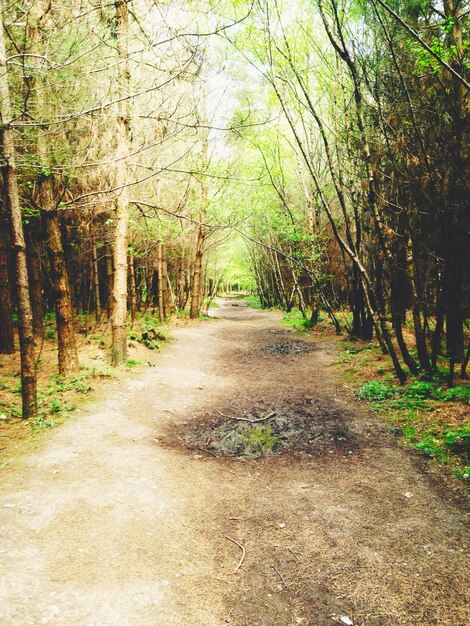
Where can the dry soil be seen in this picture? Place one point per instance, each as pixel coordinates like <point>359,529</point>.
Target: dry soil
<point>141,511</point>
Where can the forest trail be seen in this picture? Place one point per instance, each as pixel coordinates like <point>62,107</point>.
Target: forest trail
<point>120,520</point>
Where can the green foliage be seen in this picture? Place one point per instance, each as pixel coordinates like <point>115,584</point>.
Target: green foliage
<point>420,389</point>
<point>431,446</point>
<point>55,405</point>
<point>104,371</point>
<point>294,319</point>
<point>413,395</point>
<point>459,440</point>
<point>58,384</point>
<point>254,301</point>
<point>132,363</point>
<point>259,439</point>
<point>376,391</point>
<point>460,392</point>
<point>463,473</point>
<point>432,436</point>
<point>151,333</point>
<point>41,422</point>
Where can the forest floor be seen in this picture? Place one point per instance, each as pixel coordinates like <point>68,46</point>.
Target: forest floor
<point>152,508</point>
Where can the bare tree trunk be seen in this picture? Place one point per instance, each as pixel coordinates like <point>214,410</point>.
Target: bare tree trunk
<point>25,317</point>
<point>67,353</point>
<point>35,285</point>
<point>165,290</point>
<point>7,337</point>
<point>96,282</point>
<point>161,308</point>
<point>67,345</point>
<point>196,291</point>
<point>197,285</point>
<point>121,203</point>
<point>109,279</point>
<point>132,291</point>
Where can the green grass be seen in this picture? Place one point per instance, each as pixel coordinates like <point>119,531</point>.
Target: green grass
<point>254,301</point>
<point>420,410</point>
<point>260,440</point>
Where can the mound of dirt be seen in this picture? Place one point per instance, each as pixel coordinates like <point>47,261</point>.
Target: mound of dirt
<point>280,331</point>
<point>301,426</point>
<point>288,347</point>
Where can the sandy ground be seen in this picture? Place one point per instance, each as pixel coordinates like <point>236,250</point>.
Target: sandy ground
<point>118,518</point>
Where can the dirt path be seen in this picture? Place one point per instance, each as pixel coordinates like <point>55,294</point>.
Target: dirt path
<point>121,520</point>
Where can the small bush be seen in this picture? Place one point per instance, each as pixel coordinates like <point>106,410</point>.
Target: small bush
<point>459,441</point>
<point>55,405</point>
<point>431,446</point>
<point>420,389</point>
<point>461,392</point>
<point>376,391</point>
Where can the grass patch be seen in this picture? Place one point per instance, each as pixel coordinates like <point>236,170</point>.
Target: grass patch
<point>260,440</point>
<point>254,301</point>
<point>430,417</point>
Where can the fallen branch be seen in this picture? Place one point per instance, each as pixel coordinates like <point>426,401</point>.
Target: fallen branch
<point>247,419</point>
<point>207,452</point>
<point>241,548</point>
<point>284,584</point>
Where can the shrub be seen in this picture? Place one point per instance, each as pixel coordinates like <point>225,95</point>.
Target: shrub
<point>377,391</point>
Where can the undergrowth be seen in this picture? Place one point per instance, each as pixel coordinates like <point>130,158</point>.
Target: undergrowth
<point>430,417</point>
<point>149,332</point>
<point>294,319</point>
<point>254,301</point>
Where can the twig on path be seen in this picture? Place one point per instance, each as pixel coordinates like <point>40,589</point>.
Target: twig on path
<point>284,584</point>
<point>241,548</point>
<point>247,419</point>
<point>208,452</point>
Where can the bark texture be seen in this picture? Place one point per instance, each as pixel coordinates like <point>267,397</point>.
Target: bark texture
<point>25,317</point>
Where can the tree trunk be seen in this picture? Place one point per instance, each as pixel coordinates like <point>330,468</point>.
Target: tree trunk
<point>96,282</point>
<point>25,317</point>
<point>161,308</point>
<point>132,291</point>
<point>7,337</point>
<point>66,331</point>
<point>196,291</point>
<point>35,284</point>
<point>121,203</point>
<point>67,346</point>
<point>109,279</point>
<point>165,289</point>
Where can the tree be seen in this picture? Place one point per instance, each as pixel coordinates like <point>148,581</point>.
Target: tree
<point>25,318</point>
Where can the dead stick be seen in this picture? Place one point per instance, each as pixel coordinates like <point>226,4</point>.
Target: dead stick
<point>208,452</point>
<point>280,576</point>
<point>241,548</point>
<point>246,419</point>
